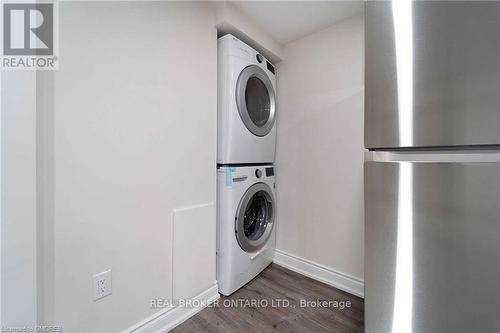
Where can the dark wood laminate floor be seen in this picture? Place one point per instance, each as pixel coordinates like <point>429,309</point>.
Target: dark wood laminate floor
<point>278,283</point>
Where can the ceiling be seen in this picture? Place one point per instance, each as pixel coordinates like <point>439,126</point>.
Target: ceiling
<point>287,21</point>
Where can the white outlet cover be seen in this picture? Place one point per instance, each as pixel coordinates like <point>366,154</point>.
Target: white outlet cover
<point>102,284</point>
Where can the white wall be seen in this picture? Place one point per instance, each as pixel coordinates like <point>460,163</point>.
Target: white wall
<point>18,195</point>
<point>133,139</point>
<point>230,19</point>
<point>320,148</point>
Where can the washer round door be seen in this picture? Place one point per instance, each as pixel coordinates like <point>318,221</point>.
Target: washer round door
<point>256,100</point>
<point>255,217</point>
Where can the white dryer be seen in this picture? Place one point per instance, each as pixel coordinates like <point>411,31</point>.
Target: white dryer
<point>245,224</point>
<point>246,104</point>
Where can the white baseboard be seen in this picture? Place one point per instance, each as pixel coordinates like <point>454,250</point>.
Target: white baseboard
<point>321,273</point>
<point>167,319</point>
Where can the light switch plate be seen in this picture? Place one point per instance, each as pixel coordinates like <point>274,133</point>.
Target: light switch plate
<point>102,284</point>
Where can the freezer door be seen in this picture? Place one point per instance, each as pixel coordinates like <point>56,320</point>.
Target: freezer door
<point>432,73</point>
<point>432,247</point>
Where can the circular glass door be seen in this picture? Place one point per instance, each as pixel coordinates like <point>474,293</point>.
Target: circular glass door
<point>255,217</point>
<point>255,100</point>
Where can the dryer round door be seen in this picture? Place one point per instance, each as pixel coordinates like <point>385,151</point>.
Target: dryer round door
<point>255,217</point>
<point>256,100</point>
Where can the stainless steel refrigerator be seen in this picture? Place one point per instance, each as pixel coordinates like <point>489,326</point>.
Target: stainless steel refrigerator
<point>432,170</point>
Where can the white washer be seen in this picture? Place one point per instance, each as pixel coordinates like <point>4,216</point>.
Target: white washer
<point>245,224</point>
<point>246,104</point>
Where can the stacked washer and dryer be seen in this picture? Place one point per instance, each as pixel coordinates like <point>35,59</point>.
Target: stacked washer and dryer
<point>246,142</point>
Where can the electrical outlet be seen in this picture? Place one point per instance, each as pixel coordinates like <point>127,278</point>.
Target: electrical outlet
<point>102,284</point>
